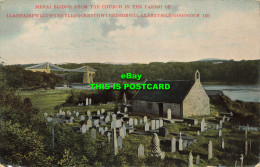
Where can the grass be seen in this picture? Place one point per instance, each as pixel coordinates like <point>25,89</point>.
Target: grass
<point>234,139</point>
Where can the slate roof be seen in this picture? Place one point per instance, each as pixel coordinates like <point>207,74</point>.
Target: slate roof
<point>176,94</point>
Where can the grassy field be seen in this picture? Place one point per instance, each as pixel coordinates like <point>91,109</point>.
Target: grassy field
<point>234,139</point>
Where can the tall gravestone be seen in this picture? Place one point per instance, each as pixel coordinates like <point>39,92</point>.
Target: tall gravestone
<point>83,128</point>
<point>242,161</point>
<point>86,101</point>
<point>220,123</point>
<point>246,148</point>
<point>146,127</point>
<point>93,134</point>
<point>219,133</point>
<point>141,151</point>
<point>210,150</point>
<point>161,122</point>
<point>89,101</point>
<point>122,133</point>
<point>173,144</point>
<point>190,160</point>
<point>197,159</point>
<point>180,144</point>
<point>169,114</point>
<point>108,136</point>
<point>131,122</point>
<point>89,123</point>
<point>152,124</point>
<point>156,150</point>
<point>114,142</point>
<point>145,119</point>
<point>202,125</point>
<point>157,124</point>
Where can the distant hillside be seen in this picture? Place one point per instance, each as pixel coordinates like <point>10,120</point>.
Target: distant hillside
<point>214,60</point>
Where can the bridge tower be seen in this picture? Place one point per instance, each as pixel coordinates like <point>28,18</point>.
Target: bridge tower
<point>88,76</point>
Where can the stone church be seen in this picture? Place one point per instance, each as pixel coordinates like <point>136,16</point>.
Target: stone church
<point>184,98</point>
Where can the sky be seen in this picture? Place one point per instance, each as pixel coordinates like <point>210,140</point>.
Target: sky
<point>231,32</point>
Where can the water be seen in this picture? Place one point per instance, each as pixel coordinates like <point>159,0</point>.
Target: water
<point>247,93</point>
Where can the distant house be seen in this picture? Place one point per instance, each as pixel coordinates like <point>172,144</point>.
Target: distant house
<point>185,99</point>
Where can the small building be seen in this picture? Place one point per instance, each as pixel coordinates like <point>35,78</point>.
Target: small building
<point>184,98</point>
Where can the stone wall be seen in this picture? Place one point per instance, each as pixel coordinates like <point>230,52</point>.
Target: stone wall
<point>196,102</point>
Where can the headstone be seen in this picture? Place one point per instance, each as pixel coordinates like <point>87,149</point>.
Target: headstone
<point>161,122</point>
<point>146,127</point>
<point>236,163</point>
<point>83,128</point>
<point>96,123</point>
<point>71,119</point>
<point>90,117</point>
<point>60,112</point>
<point>145,119</point>
<point>141,151</point>
<point>49,119</point>
<point>231,114</point>
<point>223,144</point>
<point>163,131</point>
<point>180,144</point>
<point>93,134</point>
<point>82,117</point>
<point>118,123</point>
<point>224,118</point>
<point>114,142</point>
<point>196,122</point>
<point>242,160</point>
<point>246,148</point>
<point>113,124</point>
<point>202,125</point>
<point>125,109</point>
<point>135,122</point>
<point>140,121</point>
<point>89,101</point>
<point>184,144</point>
<point>198,133</point>
<point>152,124</point>
<point>118,112</point>
<point>122,133</point>
<point>220,133</point>
<point>88,113</point>
<point>124,99</point>
<point>98,112</point>
<point>86,101</point>
<point>210,150</point>
<point>197,159</point>
<point>113,117</point>
<point>124,128</point>
<point>131,122</point>
<point>108,136</point>
<point>220,123</point>
<point>217,127</point>
<point>77,114</point>
<point>156,150</point>
<point>89,123</point>
<point>157,124</point>
<point>105,129</point>
<point>173,144</point>
<point>169,114</point>
<point>119,142</point>
<point>102,111</point>
<point>46,114</point>
<point>107,119</point>
<point>190,160</point>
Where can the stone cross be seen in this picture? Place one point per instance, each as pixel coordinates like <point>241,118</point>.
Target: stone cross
<point>153,124</point>
<point>220,133</point>
<point>86,101</point>
<point>210,150</point>
<point>114,142</point>
<point>141,151</point>
<point>145,119</point>
<point>169,114</point>
<point>93,134</point>
<point>146,127</point>
<point>156,150</point>
<point>197,159</point>
<point>190,160</point>
<point>173,144</point>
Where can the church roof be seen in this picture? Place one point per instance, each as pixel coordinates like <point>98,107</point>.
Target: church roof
<point>176,94</point>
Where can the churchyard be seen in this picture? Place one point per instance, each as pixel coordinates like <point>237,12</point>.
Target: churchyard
<point>152,140</point>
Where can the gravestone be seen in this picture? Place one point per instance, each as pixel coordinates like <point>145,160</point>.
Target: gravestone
<point>118,112</point>
<point>113,124</point>
<point>60,112</point>
<point>96,123</point>
<point>169,114</point>
<point>125,109</point>
<point>236,163</point>
<point>140,121</point>
<point>220,123</point>
<point>114,142</point>
<point>105,129</point>
<point>196,122</point>
<point>246,148</point>
<point>98,112</point>
<point>89,123</point>
<point>71,119</point>
<point>190,160</point>
<point>152,124</point>
<point>184,144</point>
<point>124,128</point>
<point>163,131</point>
<point>145,119</point>
<point>119,142</point>
<point>107,119</point>
<point>131,122</point>
<point>224,118</point>
<point>108,136</point>
<point>242,160</point>
<point>118,123</point>
<point>88,113</point>
<point>102,111</point>
<point>198,133</point>
<point>83,128</point>
<point>223,144</point>
<point>173,144</point>
<point>202,125</point>
<point>210,150</point>
<point>89,101</point>
<point>82,117</point>
<point>113,117</point>
<point>90,117</point>
<point>217,127</point>
<point>197,159</point>
<point>86,101</point>
<point>180,144</point>
<point>46,114</point>
<point>157,124</point>
<point>156,150</point>
<point>220,133</point>
<point>141,151</point>
<point>93,134</point>
<point>77,114</point>
<point>161,122</point>
<point>122,133</point>
<point>135,122</point>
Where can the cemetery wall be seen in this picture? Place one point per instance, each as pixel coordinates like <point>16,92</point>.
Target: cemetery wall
<point>196,102</point>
